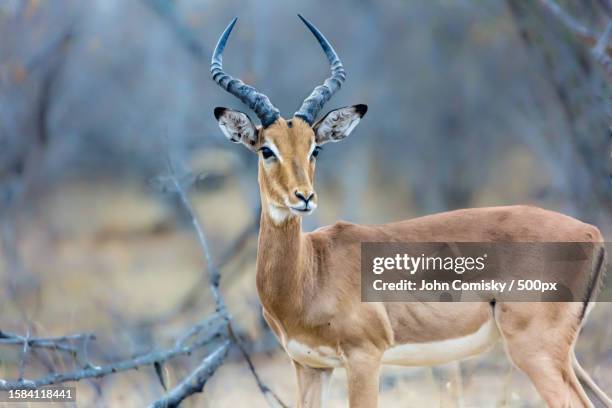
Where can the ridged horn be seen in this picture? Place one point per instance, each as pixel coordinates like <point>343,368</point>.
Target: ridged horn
<point>258,102</point>
<point>322,93</point>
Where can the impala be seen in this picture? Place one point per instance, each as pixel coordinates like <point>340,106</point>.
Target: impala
<point>309,283</point>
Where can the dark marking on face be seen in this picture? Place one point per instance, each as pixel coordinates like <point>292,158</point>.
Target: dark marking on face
<point>289,123</point>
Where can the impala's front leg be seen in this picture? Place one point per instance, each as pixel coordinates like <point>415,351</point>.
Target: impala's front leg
<point>362,370</point>
<point>313,384</point>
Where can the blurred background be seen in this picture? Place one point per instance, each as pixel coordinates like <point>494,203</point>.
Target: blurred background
<point>471,103</point>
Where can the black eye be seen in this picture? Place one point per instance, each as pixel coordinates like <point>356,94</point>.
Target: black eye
<point>266,152</point>
<point>316,151</point>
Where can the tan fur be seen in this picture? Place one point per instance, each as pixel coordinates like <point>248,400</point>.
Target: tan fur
<point>279,181</point>
<point>309,286</point>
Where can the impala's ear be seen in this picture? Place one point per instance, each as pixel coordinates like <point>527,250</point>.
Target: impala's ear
<point>338,124</point>
<point>237,127</point>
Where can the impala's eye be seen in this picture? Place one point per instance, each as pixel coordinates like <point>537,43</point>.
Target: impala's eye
<point>266,153</point>
<point>315,152</point>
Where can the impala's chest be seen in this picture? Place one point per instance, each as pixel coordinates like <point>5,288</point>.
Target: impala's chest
<point>303,351</point>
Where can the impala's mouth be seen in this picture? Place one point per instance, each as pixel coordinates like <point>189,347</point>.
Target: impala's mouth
<point>304,209</point>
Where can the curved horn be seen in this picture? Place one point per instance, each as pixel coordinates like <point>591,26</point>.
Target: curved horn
<point>258,102</point>
<point>321,94</point>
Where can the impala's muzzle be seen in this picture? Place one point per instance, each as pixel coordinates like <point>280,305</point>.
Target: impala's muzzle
<point>306,202</point>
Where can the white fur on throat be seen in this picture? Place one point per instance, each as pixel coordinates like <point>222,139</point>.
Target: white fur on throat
<point>278,214</point>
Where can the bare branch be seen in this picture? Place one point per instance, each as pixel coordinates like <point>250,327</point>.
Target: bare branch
<point>570,22</point>
<point>599,51</point>
<point>213,272</point>
<point>198,328</point>
<point>63,343</point>
<point>583,32</point>
<point>24,354</point>
<point>195,381</point>
<point>230,253</point>
<point>601,46</point>
<point>194,294</point>
<point>214,330</point>
<point>265,390</point>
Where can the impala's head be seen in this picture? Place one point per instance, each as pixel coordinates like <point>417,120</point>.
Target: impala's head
<point>287,149</point>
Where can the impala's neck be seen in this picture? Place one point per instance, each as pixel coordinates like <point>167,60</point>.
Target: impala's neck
<point>282,257</point>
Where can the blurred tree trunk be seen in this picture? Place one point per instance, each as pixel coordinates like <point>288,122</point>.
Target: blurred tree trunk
<point>583,95</point>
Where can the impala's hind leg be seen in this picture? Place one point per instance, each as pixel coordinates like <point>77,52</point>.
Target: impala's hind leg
<point>597,393</point>
<point>539,339</point>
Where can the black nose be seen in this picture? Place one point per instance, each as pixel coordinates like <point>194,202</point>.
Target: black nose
<point>303,197</point>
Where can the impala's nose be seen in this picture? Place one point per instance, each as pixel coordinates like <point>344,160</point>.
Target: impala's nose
<point>306,202</point>
<point>305,197</point>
